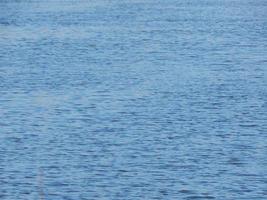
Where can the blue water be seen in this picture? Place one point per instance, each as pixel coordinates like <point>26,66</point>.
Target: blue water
<point>133,99</point>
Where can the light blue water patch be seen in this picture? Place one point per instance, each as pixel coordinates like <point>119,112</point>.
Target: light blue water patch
<point>133,99</point>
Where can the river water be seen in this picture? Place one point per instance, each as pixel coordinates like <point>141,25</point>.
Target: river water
<point>133,99</point>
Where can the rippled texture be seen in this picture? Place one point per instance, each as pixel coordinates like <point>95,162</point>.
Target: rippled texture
<point>133,99</point>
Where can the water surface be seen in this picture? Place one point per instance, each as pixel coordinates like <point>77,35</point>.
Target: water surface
<point>133,99</point>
